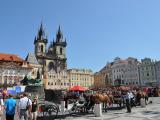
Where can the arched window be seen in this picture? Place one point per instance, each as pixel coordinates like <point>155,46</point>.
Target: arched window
<point>41,48</point>
<point>61,51</point>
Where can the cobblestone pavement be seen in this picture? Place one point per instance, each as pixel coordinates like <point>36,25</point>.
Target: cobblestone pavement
<point>151,112</point>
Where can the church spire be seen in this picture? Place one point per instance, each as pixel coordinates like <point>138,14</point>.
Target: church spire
<point>41,37</point>
<point>59,36</point>
<point>41,33</point>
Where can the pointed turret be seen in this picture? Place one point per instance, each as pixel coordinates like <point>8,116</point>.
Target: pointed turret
<point>40,42</point>
<point>41,33</point>
<point>59,36</point>
<point>59,39</point>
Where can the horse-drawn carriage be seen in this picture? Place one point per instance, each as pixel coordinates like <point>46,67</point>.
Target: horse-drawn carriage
<point>47,111</point>
<point>54,106</point>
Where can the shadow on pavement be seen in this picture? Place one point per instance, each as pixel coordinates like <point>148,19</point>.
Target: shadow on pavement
<point>64,116</point>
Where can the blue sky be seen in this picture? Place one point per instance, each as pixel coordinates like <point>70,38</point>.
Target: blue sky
<point>97,31</point>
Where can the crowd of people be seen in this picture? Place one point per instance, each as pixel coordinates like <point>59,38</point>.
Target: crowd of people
<point>25,107</point>
<point>122,97</point>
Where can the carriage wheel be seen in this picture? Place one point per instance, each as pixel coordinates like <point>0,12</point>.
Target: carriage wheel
<point>74,110</point>
<point>52,112</point>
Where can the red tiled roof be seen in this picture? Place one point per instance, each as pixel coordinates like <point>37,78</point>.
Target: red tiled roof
<point>10,57</point>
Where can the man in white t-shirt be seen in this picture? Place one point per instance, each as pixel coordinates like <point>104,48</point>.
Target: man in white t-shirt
<point>24,107</point>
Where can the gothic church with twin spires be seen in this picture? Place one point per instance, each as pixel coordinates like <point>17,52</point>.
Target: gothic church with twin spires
<point>52,58</point>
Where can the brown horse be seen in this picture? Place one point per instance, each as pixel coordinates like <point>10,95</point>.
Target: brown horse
<point>101,98</point>
<point>141,94</point>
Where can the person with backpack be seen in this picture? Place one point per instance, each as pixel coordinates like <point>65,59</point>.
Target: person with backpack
<point>10,106</point>
<point>24,107</point>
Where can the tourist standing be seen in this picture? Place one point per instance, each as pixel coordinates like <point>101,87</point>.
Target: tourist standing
<point>128,102</point>
<point>10,106</point>
<point>34,108</point>
<point>24,107</point>
<point>131,99</point>
<point>1,106</point>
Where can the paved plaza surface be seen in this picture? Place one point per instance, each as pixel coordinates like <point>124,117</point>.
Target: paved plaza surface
<point>151,112</point>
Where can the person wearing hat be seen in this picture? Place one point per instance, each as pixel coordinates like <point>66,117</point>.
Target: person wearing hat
<point>34,108</point>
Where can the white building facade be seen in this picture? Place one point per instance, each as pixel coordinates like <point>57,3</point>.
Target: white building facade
<point>12,69</point>
<point>125,72</point>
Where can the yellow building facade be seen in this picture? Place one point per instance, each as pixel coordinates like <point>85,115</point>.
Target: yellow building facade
<point>82,77</point>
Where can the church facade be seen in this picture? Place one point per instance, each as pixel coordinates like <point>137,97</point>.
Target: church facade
<point>53,59</point>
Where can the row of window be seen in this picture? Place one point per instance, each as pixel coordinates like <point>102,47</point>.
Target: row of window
<point>121,76</point>
<point>147,68</point>
<point>22,71</point>
<point>80,75</point>
<point>132,83</point>
<point>66,84</point>
<point>57,83</point>
<point>84,85</point>
<point>52,76</point>
<point>9,81</point>
<point>124,70</point>
<point>126,82</point>
<point>80,78</point>
<point>11,77</point>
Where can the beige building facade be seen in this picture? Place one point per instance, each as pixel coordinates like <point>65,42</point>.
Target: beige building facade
<point>82,77</point>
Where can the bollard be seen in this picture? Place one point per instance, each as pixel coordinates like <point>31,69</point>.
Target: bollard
<point>62,106</point>
<point>98,110</point>
<point>142,102</point>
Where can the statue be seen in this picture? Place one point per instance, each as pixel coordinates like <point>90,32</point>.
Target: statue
<point>30,81</point>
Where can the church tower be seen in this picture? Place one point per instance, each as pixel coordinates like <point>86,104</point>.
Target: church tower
<point>60,45</point>
<point>40,43</point>
<point>53,59</point>
<point>59,49</point>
